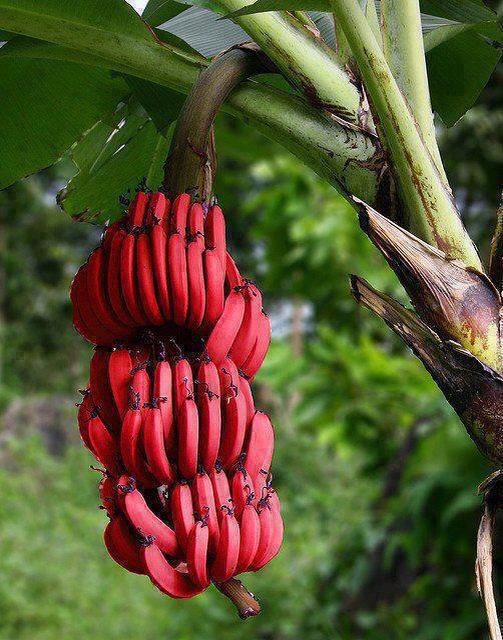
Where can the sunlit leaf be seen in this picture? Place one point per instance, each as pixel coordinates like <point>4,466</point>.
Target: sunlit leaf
<point>103,15</point>
<point>46,105</point>
<point>458,70</point>
<point>459,10</point>
<point>158,11</point>
<point>112,160</point>
<point>203,30</point>
<point>162,104</point>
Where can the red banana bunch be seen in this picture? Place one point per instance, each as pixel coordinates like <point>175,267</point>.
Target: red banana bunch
<point>166,268</point>
<point>169,411</point>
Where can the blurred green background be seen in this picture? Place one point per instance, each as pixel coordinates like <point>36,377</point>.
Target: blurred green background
<point>377,477</point>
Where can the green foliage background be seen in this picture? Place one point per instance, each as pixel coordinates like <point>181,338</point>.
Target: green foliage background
<point>377,477</point>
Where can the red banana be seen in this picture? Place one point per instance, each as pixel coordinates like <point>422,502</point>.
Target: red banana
<point>245,389</point>
<point>248,332</point>
<point>157,219</point>
<point>257,355</point>
<point>122,545</point>
<point>266,534</point>
<point>159,249</point>
<point>163,394</point>
<point>197,292</point>
<point>197,552</point>
<point>97,298</point>
<point>129,285</point>
<point>249,530</point>
<point>221,490</point>
<point>210,419</point>
<point>78,320</point>
<point>196,225</point>
<point>106,490</point>
<point>214,230</point>
<point>119,378</point>
<point>136,212</point>
<point>153,444</point>
<point>204,504</point>
<point>109,234</point>
<point>224,565</point>
<point>277,525</point>
<point>242,490</point>
<point>179,214</point>
<point>104,446</point>
<point>208,378</point>
<point>100,389</point>
<point>87,323</point>
<point>183,384</point>
<point>143,519</point>
<point>177,273</point>
<point>188,438</point>
<point>260,445</point>
<point>85,412</point>
<point>146,284</point>
<point>234,412</point>
<point>158,209</point>
<point>113,280</point>
<point>214,278</point>
<point>182,512</point>
<point>160,266</point>
<point>234,278</point>
<point>225,330</point>
<point>167,579</point>
<point>140,387</point>
<point>130,439</point>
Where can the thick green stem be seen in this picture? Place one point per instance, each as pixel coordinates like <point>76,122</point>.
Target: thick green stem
<point>373,19</point>
<point>428,204</point>
<point>306,61</point>
<point>304,18</point>
<point>350,159</point>
<point>403,48</point>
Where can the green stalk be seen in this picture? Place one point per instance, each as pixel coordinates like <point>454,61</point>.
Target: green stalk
<point>347,157</point>
<point>306,61</point>
<point>403,48</point>
<point>341,44</point>
<point>428,204</point>
<point>373,19</point>
<point>304,18</point>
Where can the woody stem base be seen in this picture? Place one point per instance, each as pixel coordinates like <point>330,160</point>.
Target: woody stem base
<point>244,601</point>
<point>190,165</point>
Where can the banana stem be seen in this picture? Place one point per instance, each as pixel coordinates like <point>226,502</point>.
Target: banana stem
<point>244,601</point>
<point>190,165</point>
<point>428,203</point>
<point>304,18</point>
<point>306,61</point>
<point>404,50</point>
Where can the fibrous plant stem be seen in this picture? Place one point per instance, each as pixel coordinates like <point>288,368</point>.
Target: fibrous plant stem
<point>306,61</point>
<point>403,48</point>
<point>428,204</point>
<point>190,163</point>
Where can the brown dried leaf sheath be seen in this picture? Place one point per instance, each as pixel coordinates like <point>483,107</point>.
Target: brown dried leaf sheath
<point>474,389</point>
<point>458,301</point>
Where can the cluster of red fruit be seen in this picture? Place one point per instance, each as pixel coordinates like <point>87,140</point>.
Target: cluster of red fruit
<point>169,412</point>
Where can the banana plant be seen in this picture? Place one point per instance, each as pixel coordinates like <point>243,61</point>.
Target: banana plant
<point>357,85</point>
